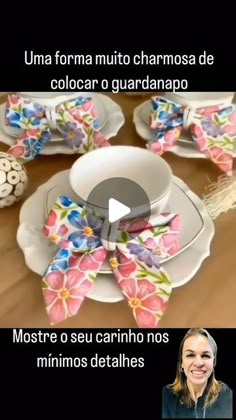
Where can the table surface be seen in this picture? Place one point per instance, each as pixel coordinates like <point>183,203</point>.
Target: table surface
<point>207,300</point>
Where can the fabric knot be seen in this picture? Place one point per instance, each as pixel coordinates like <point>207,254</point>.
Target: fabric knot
<point>51,116</point>
<point>188,116</point>
<point>109,235</point>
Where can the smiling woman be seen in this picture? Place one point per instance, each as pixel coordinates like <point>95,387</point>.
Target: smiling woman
<point>195,392</point>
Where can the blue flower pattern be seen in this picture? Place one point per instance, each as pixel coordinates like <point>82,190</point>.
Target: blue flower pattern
<point>61,260</point>
<point>88,233</point>
<point>78,133</point>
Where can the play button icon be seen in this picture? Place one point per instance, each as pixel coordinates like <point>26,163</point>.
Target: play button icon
<point>119,200</point>
<point>117,210</point>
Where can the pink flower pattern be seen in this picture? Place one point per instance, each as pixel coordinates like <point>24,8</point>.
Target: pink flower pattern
<point>145,301</point>
<point>77,122</point>
<point>213,128</point>
<point>155,244</point>
<point>64,293</point>
<point>71,274</point>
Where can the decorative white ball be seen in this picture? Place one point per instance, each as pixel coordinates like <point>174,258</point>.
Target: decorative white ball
<point>13,180</point>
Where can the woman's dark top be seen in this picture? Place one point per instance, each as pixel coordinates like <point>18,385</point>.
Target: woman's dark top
<point>222,408</point>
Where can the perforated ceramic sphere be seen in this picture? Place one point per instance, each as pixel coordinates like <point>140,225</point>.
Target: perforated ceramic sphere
<point>13,180</point>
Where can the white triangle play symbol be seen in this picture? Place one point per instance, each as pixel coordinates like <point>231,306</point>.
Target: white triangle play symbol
<point>117,210</point>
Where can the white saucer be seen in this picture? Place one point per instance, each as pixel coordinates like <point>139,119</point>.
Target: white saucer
<point>111,124</point>
<point>185,147</point>
<point>39,251</point>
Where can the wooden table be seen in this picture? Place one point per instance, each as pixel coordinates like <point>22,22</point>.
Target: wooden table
<point>207,300</point>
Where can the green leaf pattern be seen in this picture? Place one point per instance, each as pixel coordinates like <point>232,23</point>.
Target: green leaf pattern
<point>75,121</point>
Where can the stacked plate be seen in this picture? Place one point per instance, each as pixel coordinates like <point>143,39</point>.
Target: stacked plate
<point>195,238</point>
<point>110,118</point>
<point>185,146</point>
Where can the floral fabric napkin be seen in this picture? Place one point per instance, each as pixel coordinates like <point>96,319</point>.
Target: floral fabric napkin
<point>136,262</point>
<point>76,120</point>
<point>212,128</point>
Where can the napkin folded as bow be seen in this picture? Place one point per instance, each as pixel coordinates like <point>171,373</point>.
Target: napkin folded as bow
<point>136,262</point>
<point>213,128</point>
<point>76,121</point>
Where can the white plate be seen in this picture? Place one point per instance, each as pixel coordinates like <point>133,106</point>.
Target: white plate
<point>185,146</point>
<point>39,251</point>
<point>112,123</point>
<point>179,202</point>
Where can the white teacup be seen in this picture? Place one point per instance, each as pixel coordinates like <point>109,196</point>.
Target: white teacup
<point>151,172</point>
<point>200,99</point>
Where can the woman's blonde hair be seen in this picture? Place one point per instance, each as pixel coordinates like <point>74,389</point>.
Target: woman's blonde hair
<point>179,386</point>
